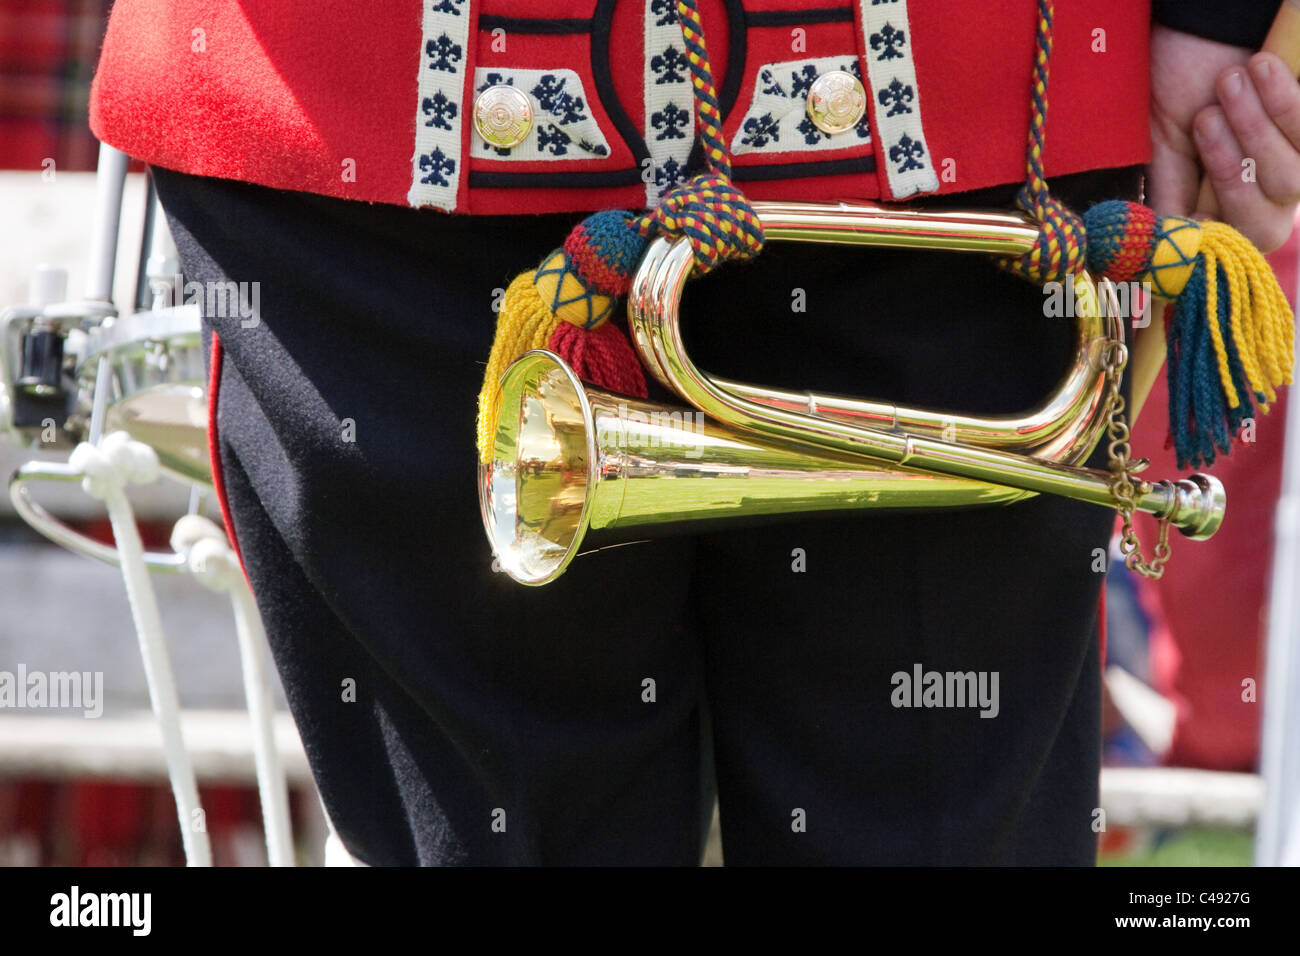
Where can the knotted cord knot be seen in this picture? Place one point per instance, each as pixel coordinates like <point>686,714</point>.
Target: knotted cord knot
<point>707,209</point>
<point>206,551</point>
<point>713,215</point>
<point>113,463</point>
<point>1062,239</point>
<point>1061,248</point>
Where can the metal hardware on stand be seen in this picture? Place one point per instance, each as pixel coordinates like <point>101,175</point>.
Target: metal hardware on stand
<point>129,392</point>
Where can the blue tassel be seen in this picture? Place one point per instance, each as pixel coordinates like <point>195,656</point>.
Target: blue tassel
<point>1201,421</point>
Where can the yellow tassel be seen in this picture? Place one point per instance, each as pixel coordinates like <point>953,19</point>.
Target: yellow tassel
<point>1260,320</point>
<point>525,322</point>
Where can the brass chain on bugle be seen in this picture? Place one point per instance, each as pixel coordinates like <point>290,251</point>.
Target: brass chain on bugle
<point>1125,485</point>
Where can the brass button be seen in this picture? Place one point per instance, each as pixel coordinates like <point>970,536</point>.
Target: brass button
<point>836,102</point>
<point>503,116</point>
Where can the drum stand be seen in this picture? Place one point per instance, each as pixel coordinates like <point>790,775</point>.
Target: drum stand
<point>39,393</point>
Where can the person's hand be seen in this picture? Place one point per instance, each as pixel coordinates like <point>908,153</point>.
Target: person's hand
<point>1213,107</point>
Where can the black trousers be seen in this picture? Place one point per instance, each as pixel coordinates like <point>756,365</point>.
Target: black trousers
<point>452,716</point>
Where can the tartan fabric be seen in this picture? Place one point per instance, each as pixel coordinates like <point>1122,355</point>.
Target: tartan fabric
<point>48,50</point>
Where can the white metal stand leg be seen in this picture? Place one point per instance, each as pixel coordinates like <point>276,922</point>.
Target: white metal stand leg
<point>108,469</point>
<point>213,562</point>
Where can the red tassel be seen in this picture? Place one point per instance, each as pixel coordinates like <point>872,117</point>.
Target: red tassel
<point>601,356</point>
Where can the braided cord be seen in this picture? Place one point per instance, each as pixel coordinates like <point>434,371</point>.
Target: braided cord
<point>1036,180</point>
<point>1062,244</point>
<point>708,116</point>
<point>708,209</point>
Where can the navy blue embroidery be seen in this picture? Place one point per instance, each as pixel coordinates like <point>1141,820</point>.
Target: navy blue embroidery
<point>896,96</point>
<point>669,175</point>
<point>553,99</point>
<point>448,6</point>
<point>665,10</point>
<point>762,131</point>
<point>669,121</point>
<point>550,136</point>
<point>907,154</point>
<point>876,3</point>
<point>801,82</point>
<point>434,165</point>
<point>759,130</point>
<point>443,52</point>
<point>773,84</point>
<point>439,109</point>
<point>560,114</point>
<point>669,66</point>
<point>888,40</point>
<point>811,134</point>
<point>496,79</point>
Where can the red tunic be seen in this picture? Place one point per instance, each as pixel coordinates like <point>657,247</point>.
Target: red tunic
<point>375,101</point>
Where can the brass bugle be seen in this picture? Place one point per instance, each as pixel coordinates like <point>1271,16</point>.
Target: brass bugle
<point>573,467</point>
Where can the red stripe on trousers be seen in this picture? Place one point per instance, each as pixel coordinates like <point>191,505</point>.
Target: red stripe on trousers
<point>1101,624</point>
<point>214,452</point>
